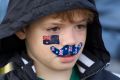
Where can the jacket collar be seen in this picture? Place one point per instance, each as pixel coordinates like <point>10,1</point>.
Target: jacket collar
<point>88,65</point>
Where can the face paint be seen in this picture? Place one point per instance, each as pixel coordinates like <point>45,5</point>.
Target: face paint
<point>66,50</point>
<point>53,39</point>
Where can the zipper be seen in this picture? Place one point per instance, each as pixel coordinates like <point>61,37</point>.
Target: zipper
<point>95,72</point>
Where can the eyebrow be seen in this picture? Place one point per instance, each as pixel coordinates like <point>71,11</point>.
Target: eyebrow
<point>80,21</point>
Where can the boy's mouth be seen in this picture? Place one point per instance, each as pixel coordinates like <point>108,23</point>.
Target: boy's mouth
<point>67,58</point>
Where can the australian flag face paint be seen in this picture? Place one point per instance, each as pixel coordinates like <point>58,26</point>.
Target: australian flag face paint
<point>53,39</point>
<point>67,50</point>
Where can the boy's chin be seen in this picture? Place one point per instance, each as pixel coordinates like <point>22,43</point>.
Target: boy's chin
<point>65,66</point>
<point>65,63</point>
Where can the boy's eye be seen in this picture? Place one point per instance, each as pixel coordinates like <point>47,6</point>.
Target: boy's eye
<point>81,27</point>
<point>54,29</point>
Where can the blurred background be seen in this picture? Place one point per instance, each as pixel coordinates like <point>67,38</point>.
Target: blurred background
<point>3,8</point>
<point>110,19</point>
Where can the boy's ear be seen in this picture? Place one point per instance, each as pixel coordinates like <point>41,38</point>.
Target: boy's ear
<point>21,34</point>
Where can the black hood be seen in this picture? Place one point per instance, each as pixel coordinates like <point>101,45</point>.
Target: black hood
<point>22,12</point>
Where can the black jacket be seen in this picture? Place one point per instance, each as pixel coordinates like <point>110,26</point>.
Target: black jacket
<point>23,69</point>
<point>20,13</point>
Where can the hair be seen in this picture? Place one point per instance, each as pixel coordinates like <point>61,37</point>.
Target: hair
<point>71,14</point>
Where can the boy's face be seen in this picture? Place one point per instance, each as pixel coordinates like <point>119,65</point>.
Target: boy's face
<point>70,33</point>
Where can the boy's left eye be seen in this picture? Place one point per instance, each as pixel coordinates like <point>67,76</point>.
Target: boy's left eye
<point>81,26</point>
<point>54,29</point>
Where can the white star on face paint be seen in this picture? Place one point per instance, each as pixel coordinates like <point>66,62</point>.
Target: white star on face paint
<point>65,48</point>
<point>56,51</point>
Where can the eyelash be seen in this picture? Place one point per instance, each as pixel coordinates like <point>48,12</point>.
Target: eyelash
<point>54,29</point>
<point>81,26</point>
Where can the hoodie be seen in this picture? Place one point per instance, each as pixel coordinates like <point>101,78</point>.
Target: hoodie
<point>20,13</point>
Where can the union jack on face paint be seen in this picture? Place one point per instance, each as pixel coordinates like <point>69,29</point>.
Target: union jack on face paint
<point>53,39</point>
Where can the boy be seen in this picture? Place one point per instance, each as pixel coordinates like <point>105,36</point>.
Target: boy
<point>53,40</point>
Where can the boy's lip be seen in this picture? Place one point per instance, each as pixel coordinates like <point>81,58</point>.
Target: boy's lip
<point>67,58</point>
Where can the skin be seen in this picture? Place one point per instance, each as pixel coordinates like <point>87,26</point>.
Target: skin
<point>48,65</point>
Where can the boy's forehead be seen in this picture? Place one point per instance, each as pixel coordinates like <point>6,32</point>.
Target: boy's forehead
<point>51,19</point>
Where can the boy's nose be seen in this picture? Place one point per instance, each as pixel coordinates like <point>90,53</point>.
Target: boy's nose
<point>68,38</point>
